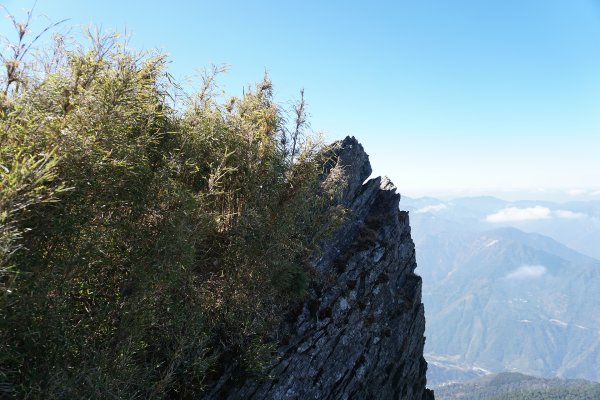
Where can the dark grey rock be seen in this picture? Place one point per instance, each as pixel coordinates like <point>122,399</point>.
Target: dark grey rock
<point>359,334</point>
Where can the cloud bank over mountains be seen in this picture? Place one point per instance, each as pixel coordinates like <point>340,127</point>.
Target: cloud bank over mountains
<point>432,208</point>
<point>515,214</point>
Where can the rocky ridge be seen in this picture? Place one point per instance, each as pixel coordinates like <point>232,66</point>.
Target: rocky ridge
<point>359,334</point>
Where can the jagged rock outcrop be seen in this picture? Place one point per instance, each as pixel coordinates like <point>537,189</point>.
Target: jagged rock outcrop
<point>359,335</point>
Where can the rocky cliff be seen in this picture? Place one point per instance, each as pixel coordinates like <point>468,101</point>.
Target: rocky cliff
<point>359,334</point>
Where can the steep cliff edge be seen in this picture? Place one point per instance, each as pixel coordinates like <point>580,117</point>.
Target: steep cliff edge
<point>359,334</point>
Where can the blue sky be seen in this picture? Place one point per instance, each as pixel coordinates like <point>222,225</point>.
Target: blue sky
<point>448,97</point>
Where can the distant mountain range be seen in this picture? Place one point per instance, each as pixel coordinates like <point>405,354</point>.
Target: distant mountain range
<point>515,386</point>
<point>575,224</point>
<point>499,298</point>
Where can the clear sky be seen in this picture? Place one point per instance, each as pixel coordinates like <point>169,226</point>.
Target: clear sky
<point>446,96</point>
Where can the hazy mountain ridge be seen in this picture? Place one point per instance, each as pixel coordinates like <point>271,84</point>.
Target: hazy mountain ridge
<point>575,224</point>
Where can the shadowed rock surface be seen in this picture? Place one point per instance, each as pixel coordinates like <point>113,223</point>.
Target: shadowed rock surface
<point>359,335</point>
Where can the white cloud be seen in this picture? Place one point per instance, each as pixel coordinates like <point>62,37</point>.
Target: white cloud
<point>432,209</point>
<point>568,214</point>
<point>515,214</point>
<point>527,272</point>
<point>511,214</point>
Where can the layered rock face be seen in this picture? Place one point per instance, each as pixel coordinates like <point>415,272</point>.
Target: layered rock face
<point>359,334</point>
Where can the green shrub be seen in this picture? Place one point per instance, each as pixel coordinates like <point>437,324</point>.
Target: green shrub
<point>145,246</point>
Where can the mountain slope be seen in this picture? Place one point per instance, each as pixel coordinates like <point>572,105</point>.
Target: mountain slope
<point>508,300</point>
<point>359,332</point>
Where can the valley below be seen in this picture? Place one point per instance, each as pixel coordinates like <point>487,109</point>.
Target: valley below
<point>515,386</point>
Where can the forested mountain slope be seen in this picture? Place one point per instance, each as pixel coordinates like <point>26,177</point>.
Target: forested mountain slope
<point>514,386</point>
